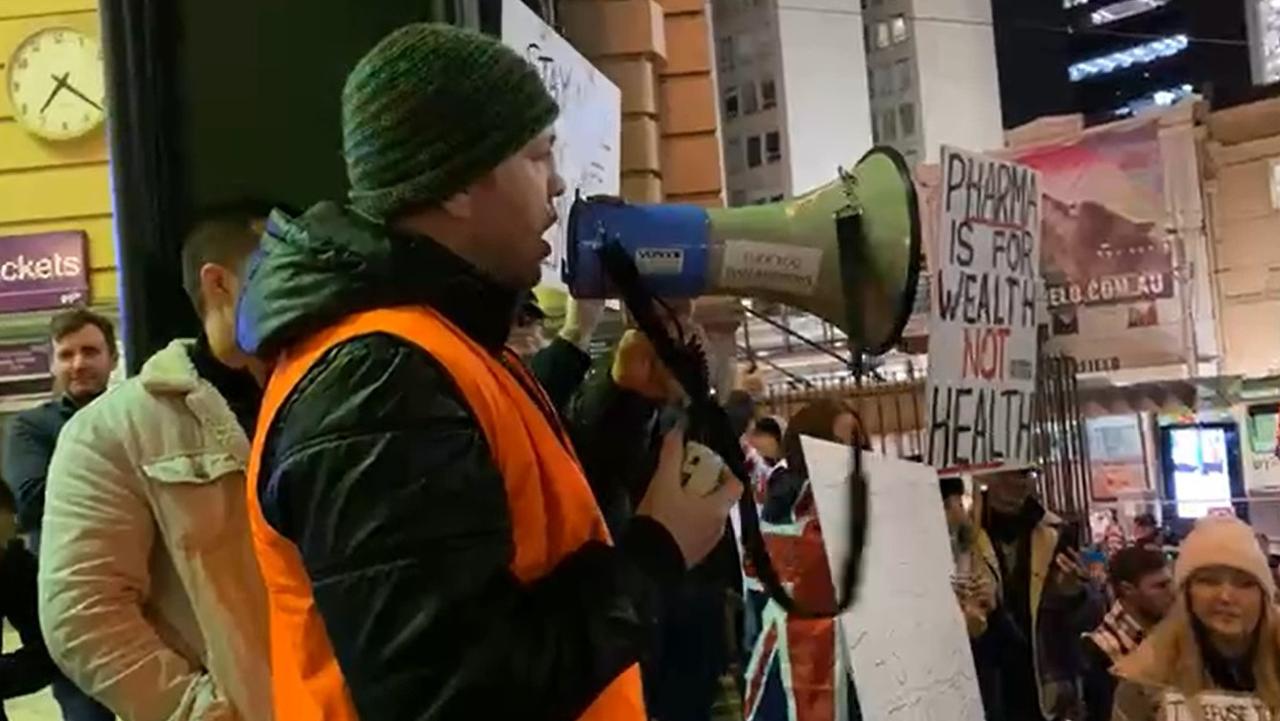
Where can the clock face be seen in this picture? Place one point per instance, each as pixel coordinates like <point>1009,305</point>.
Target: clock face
<point>56,84</point>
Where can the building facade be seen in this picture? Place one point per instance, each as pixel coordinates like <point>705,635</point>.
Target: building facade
<point>793,95</point>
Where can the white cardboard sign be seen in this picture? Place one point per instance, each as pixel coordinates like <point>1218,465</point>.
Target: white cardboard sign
<point>983,325</point>
<point>905,634</point>
<point>589,130</point>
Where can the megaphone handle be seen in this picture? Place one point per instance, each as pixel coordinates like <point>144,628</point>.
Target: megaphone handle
<point>709,420</point>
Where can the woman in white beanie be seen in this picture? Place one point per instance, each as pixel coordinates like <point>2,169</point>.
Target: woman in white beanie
<point>1219,647</point>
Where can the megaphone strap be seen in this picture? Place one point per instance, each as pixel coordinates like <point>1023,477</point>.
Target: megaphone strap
<point>709,424</point>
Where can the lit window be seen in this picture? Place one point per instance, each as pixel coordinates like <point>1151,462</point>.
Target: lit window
<point>1136,55</point>
<point>754,159</point>
<point>747,48</point>
<point>889,126</point>
<point>733,155</point>
<point>1160,98</point>
<point>1068,4</point>
<point>1264,41</point>
<point>902,69</point>
<point>724,52</point>
<point>750,101</point>
<point>1275,183</point>
<point>907,119</point>
<point>899,28</point>
<point>1122,10</point>
<point>730,103</point>
<point>884,80</point>
<point>773,146</point>
<point>882,35</point>
<point>768,94</point>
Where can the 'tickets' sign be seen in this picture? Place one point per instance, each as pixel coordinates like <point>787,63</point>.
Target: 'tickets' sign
<point>41,271</point>
<point>983,326</point>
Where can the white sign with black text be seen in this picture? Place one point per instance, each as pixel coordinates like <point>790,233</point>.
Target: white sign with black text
<point>983,324</point>
<point>905,636</point>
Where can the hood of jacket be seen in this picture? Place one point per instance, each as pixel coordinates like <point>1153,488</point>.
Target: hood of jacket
<point>171,372</point>
<point>317,268</point>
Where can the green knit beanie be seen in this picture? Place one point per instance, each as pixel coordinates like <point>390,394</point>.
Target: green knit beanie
<point>431,109</point>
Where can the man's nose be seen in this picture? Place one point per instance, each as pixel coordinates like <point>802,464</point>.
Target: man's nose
<point>558,185</point>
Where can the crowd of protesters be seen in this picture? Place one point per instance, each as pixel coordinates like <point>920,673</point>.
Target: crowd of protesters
<point>370,488</point>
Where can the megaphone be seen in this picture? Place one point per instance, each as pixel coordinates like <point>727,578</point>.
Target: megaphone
<point>848,252</point>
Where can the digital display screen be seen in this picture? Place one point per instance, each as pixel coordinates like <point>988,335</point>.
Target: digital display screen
<point>1201,475</point>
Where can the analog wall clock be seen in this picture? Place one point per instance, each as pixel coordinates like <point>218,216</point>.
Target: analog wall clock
<point>55,83</point>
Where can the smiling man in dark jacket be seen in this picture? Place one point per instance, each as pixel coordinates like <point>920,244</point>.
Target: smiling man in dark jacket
<point>429,542</point>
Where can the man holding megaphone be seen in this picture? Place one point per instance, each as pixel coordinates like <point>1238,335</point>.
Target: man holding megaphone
<point>431,547</point>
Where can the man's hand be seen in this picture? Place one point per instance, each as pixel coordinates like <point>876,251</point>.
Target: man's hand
<point>1071,574</point>
<point>581,318</point>
<point>695,522</point>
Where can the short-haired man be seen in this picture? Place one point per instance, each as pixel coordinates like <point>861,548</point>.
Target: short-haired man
<point>1146,532</point>
<point>83,356</point>
<point>766,438</point>
<point>430,544</point>
<point>1043,601</point>
<point>151,599</point>
<point>1143,586</point>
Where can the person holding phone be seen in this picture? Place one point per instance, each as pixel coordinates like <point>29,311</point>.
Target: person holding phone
<point>1043,601</point>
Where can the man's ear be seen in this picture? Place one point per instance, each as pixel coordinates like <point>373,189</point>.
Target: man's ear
<point>458,205</point>
<point>215,281</point>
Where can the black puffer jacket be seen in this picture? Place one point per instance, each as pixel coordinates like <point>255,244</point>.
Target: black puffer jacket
<point>376,469</point>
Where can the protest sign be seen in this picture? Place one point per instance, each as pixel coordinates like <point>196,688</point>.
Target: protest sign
<point>905,636</point>
<point>983,325</point>
<point>1213,707</point>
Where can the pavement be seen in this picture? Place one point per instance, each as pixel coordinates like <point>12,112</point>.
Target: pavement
<point>36,707</point>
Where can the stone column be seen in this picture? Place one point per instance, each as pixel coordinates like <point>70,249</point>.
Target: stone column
<point>690,119</point>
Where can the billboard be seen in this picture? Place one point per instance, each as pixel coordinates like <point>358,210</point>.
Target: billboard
<point>1108,261</point>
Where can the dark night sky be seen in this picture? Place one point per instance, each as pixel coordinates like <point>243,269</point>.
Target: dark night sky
<point>1032,60</point>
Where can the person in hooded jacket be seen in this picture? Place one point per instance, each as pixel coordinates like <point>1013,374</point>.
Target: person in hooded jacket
<point>1217,652</point>
<point>430,544</point>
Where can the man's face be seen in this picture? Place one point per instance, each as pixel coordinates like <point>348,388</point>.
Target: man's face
<point>1152,596</point>
<point>82,362</point>
<point>766,445</point>
<point>1144,533</point>
<point>1008,491</point>
<point>511,208</point>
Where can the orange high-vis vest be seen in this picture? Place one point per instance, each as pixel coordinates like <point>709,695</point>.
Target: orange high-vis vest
<point>552,509</point>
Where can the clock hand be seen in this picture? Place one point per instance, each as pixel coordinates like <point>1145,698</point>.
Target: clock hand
<point>59,84</point>
<point>72,89</point>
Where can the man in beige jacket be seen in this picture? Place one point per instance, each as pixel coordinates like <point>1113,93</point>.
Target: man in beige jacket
<point>150,595</point>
